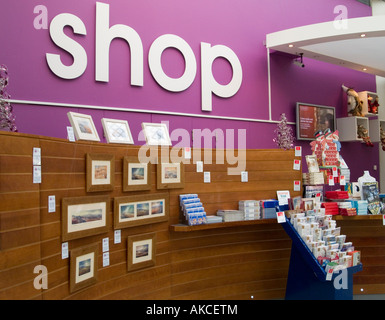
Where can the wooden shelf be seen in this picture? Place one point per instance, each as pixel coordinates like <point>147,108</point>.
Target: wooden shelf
<point>208,226</point>
<point>359,217</point>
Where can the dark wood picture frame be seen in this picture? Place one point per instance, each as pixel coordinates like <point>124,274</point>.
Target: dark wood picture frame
<point>71,206</point>
<point>163,170</point>
<point>141,251</point>
<point>108,161</point>
<point>87,270</point>
<point>128,181</point>
<point>131,206</point>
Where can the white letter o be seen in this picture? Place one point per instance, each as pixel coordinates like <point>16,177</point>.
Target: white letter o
<point>154,60</point>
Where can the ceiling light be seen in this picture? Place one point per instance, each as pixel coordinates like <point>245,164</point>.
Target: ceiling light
<point>364,69</point>
<point>291,45</point>
<point>363,35</point>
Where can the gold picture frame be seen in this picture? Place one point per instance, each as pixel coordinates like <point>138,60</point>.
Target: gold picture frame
<point>141,251</point>
<point>136,175</point>
<point>100,172</point>
<point>138,210</point>
<point>85,216</point>
<point>170,176</point>
<point>83,267</point>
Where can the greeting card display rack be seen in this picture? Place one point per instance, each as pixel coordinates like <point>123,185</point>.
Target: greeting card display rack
<point>307,278</point>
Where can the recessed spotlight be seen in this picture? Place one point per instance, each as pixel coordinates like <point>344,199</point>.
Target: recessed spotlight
<point>291,45</point>
<point>364,69</point>
<point>363,35</point>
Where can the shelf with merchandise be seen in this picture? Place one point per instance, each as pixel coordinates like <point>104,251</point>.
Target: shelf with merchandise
<point>307,279</point>
<point>186,228</point>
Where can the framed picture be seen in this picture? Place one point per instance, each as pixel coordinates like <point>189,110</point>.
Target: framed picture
<point>83,267</point>
<point>117,131</point>
<point>100,172</point>
<point>311,118</point>
<point>141,251</point>
<point>83,126</point>
<point>136,175</point>
<point>312,163</point>
<point>170,175</point>
<point>156,134</point>
<point>84,216</point>
<point>140,209</point>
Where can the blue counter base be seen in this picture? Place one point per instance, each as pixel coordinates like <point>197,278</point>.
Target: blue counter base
<point>307,279</point>
<point>303,284</point>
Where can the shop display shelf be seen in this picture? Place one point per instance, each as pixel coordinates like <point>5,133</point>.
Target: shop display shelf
<point>307,279</point>
<point>208,226</point>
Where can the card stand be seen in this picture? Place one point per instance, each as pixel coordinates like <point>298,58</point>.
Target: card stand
<point>307,279</point>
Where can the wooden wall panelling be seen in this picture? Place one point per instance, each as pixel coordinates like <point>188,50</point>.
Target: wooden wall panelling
<point>192,265</point>
<point>368,236</point>
<point>19,218</point>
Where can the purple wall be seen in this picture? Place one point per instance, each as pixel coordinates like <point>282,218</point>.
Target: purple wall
<point>241,26</point>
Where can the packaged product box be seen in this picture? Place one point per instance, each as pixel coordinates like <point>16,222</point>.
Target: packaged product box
<point>356,257</point>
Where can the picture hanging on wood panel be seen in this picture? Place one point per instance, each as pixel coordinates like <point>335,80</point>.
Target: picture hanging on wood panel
<point>170,176</point>
<point>117,131</point>
<point>83,126</point>
<point>100,172</point>
<point>136,175</point>
<point>141,251</point>
<point>85,216</point>
<point>140,209</point>
<point>83,267</point>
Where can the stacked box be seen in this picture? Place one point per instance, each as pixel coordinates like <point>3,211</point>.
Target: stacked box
<point>230,215</point>
<point>269,210</point>
<point>192,209</point>
<point>251,209</point>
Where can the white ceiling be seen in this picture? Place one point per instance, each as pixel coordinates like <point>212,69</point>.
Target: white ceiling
<point>359,46</point>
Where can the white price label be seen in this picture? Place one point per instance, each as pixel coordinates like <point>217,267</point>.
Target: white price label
<point>206,177</point>
<point>117,236</point>
<point>281,217</point>
<point>297,185</point>
<point>244,176</point>
<point>64,250</point>
<point>298,151</point>
<point>105,244</point>
<point>297,165</point>
<point>106,259</point>
<point>51,204</point>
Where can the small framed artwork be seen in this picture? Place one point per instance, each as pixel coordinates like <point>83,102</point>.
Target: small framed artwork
<point>83,126</point>
<point>156,134</point>
<point>117,131</point>
<point>170,175</point>
<point>84,216</point>
<point>83,267</point>
<point>141,251</point>
<point>140,209</point>
<point>100,172</point>
<point>312,163</point>
<point>136,175</point>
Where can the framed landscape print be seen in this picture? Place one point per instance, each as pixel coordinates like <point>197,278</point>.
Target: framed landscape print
<point>156,134</point>
<point>83,267</point>
<point>84,216</point>
<point>136,175</point>
<point>170,175</point>
<point>141,251</point>
<point>100,172</point>
<point>117,131</point>
<point>140,209</point>
<point>83,126</point>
